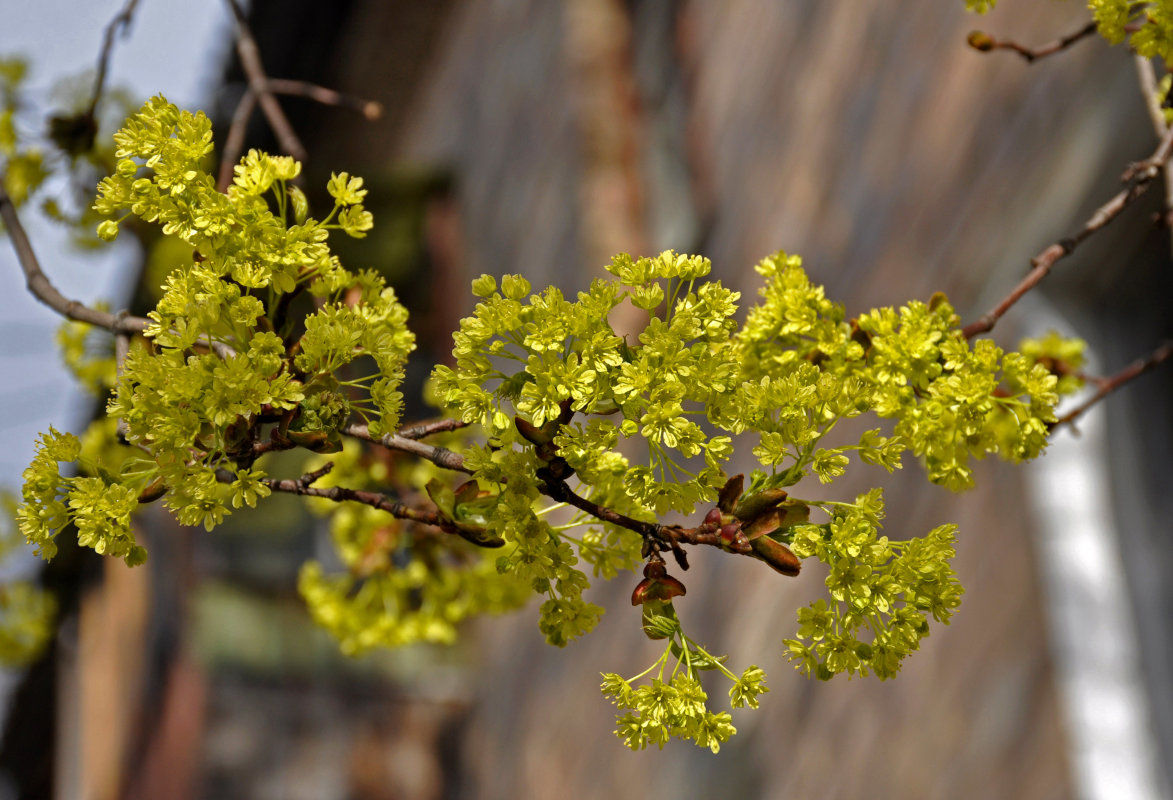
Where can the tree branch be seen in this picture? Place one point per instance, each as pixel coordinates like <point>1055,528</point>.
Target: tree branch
<point>327,97</point>
<point>340,494</point>
<point>422,430</point>
<point>43,289</point>
<point>1114,382</point>
<point>660,537</point>
<point>234,139</point>
<point>1147,78</point>
<point>121,351</point>
<point>121,22</point>
<point>1138,176</point>
<point>440,456</point>
<point>258,82</point>
<point>985,43</point>
<point>656,536</point>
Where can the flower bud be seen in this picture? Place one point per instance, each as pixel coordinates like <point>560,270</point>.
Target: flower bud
<point>657,586</point>
<point>777,555</point>
<point>655,569</point>
<point>531,432</point>
<point>751,505</point>
<point>980,41</point>
<point>156,489</point>
<point>478,535</point>
<point>659,620</point>
<point>729,493</point>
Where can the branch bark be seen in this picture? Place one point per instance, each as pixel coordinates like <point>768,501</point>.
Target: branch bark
<point>1147,78</point>
<point>1138,177</point>
<point>440,456</point>
<point>985,43</point>
<point>43,289</point>
<point>120,22</point>
<point>1114,382</point>
<point>669,537</point>
<point>234,140</point>
<point>422,430</point>
<point>258,82</point>
<point>340,494</point>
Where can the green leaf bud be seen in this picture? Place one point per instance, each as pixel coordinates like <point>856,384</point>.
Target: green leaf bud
<point>776,554</point>
<point>301,206</point>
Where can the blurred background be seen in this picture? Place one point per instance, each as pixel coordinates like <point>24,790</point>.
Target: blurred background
<point>541,138</point>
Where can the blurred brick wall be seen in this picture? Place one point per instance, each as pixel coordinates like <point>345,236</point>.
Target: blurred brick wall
<point>866,137</point>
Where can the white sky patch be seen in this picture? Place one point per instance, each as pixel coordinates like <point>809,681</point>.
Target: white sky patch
<point>172,48</point>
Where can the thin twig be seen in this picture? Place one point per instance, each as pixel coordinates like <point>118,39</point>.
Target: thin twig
<point>258,81</point>
<point>985,43</point>
<point>422,430</point>
<point>440,456</point>
<point>663,537</point>
<point>310,478</point>
<point>340,494</point>
<point>328,97</point>
<point>1114,382</point>
<point>1138,175</point>
<point>666,537</point>
<point>1147,78</point>
<point>121,22</point>
<point>274,445</point>
<point>234,140</point>
<point>121,351</point>
<point>43,289</point>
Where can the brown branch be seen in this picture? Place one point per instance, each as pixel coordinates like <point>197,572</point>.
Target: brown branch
<point>258,82</point>
<point>985,43</point>
<point>327,97</point>
<point>340,494</point>
<point>274,445</point>
<point>1147,78</point>
<point>43,289</point>
<point>422,430</point>
<point>121,22</point>
<point>1139,176</point>
<point>440,456</point>
<point>310,478</point>
<point>552,484</point>
<point>656,536</point>
<point>234,140</point>
<point>121,351</point>
<point>1114,382</point>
